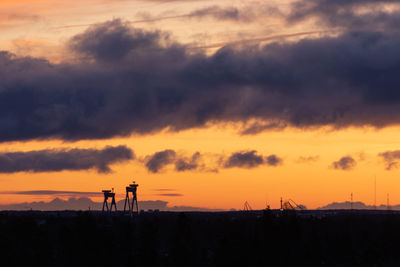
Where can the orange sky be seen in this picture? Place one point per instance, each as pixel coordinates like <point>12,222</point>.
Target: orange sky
<point>310,183</point>
<point>40,28</point>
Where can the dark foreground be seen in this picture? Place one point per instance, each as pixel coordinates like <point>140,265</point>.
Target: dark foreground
<point>200,239</point>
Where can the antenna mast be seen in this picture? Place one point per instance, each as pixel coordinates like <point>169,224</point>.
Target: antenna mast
<point>351,201</point>
<point>375,194</point>
<point>387,204</point>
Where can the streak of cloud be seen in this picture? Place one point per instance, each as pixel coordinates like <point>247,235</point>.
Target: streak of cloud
<point>51,193</point>
<point>260,39</point>
<point>164,189</point>
<point>307,159</point>
<point>248,13</point>
<point>171,195</point>
<point>258,127</point>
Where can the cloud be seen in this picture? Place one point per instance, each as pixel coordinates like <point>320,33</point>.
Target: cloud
<point>307,159</point>
<point>214,12</point>
<point>164,189</point>
<point>348,205</point>
<point>183,164</point>
<point>86,204</point>
<point>351,15</point>
<point>248,13</point>
<point>357,205</point>
<point>113,41</point>
<point>345,163</point>
<point>248,43</point>
<point>273,160</point>
<point>64,159</point>
<point>13,17</point>
<point>244,160</point>
<point>171,195</point>
<point>82,203</point>
<point>134,81</point>
<point>159,160</point>
<point>391,159</point>
<point>258,127</point>
<point>51,192</point>
<point>250,159</point>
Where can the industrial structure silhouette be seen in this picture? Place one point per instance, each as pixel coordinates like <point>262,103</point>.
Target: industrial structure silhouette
<point>132,202</point>
<point>108,194</point>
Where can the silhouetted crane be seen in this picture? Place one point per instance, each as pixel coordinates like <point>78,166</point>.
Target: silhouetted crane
<point>291,205</point>
<point>132,188</point>
<point>108,194</point>
<point>247,206</point>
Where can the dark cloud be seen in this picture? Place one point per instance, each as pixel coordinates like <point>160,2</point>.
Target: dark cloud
<point>345,163</point>
<point>246,14</point>
<point>273,160</point>
<point>221,13</point>
<point>132,81</point>
<point>250,159</point>
<point>113,41</point>
<point>252,11</point>
<point>354,14</point>
<point>244,160</point>
<point>159,160</point>
<point>391,159</point>
<point>215,12</point>
<point>64,159</point>
<point>183,164</point>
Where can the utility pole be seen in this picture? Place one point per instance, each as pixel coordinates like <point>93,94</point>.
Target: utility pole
<point>351,201</point>
<point>375,194</point>
<point>387,203</point>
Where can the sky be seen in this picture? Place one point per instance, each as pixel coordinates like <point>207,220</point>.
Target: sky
<point>203,103</point>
